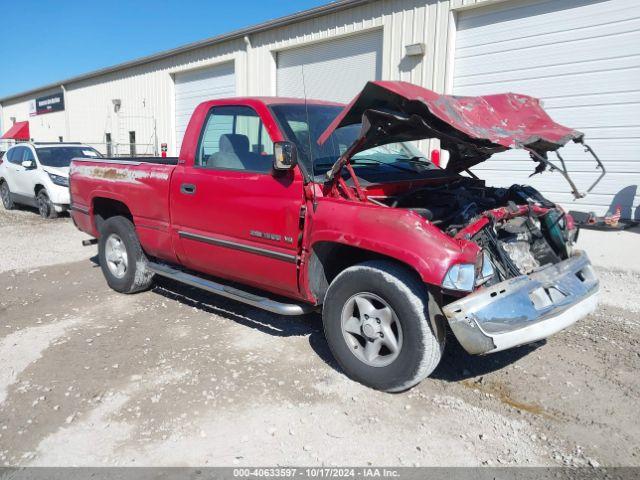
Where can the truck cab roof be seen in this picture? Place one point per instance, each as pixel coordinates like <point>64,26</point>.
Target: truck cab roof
<point>268,101</point>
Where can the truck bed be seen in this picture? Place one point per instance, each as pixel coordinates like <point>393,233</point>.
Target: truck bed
<point>140,184</point>
<point>158,160</point>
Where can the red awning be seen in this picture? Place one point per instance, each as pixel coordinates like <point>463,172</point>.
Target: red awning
<point>19,131</point>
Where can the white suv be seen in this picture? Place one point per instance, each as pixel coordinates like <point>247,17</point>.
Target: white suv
<point>37,174</point>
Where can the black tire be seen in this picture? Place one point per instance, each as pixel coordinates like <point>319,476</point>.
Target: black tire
<point>137,276</point>
<point>45,207</point>
<point>423,333</point>
<point>5,193</point>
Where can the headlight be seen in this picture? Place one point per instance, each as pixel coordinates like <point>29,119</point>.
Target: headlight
<point>461,276</point>
<point>486,269</point>
<point>58,180</point>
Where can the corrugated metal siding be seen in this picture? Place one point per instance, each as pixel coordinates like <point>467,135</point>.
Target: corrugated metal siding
<point>334,70</point>
<point>196,86</point>
<point>147,91</point>
<point>464,4</point>
<point>403,22</point>
<point>146,95</point>
<point>583,59</point>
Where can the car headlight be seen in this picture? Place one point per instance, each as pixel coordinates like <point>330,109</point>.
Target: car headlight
<point>461,276</point>
<point>58,180</point>
<point>466,276</point>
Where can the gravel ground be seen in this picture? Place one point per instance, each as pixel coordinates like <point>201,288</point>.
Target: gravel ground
<point>176,377</point>
<point>28,241</point>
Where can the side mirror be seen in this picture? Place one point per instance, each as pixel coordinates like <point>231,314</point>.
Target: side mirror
<point>29,164</point>
<point>285,156</point>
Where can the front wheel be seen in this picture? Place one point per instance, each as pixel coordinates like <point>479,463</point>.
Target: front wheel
<point>46,209</point>
<point>123,263</point>
<point>379,327</point>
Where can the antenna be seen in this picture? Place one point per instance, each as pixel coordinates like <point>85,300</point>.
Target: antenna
<point>306,110</point>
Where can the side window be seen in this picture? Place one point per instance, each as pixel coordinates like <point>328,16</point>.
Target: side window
<point>28,155</point>
<point>15,155</point>
<point>234,138</point>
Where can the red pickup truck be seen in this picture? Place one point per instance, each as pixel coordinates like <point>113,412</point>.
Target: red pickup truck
<point>294,206</point>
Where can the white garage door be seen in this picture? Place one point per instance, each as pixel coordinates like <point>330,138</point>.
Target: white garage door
<point>333,70</point>
<point>582,57</point>
<point>197,86</point>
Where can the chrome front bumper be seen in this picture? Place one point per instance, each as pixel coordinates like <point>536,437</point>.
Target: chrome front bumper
<point>525,309</point>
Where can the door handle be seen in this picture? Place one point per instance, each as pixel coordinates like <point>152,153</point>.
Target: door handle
<point>188,188</point>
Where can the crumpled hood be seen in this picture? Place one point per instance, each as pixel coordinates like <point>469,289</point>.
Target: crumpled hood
<point>60,171</point>
<point>471,128</point>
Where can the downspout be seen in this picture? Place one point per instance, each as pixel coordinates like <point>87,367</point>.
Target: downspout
<point>247,49</point>
<point>67,130</point>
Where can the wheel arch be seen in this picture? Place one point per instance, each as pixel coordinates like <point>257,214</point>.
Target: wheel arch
<point>104,208</point>
<point>328,259</point>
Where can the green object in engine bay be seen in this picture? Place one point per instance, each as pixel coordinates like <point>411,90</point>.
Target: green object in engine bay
<point>556,233</point>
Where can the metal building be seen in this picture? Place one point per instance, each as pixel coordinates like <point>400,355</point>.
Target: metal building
<point>582,57</point>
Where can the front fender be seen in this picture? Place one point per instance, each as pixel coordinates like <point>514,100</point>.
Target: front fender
<point>396,233</point>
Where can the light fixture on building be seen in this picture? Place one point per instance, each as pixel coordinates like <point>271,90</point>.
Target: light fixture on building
<point>116,104</point>
<point>415,50</point>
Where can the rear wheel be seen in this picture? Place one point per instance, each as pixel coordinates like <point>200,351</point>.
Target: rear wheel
<point>46,209</point>
<point>379,328</point>
<point>5,193</point>
<point>123,263</point>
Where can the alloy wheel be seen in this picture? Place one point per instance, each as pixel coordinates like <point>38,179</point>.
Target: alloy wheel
<point>116,256</point>
<point>371,329</point>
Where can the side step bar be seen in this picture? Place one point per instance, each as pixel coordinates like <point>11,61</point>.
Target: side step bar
<point>230,292</point>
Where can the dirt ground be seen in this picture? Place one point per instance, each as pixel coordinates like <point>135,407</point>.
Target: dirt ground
<point>176,377</point>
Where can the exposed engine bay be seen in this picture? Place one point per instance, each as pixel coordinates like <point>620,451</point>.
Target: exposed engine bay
<point>522,245</point>
<point>518,229</point>
<point>530,233</point>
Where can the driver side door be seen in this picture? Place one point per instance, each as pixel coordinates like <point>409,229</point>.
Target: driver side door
<point>234,217</point>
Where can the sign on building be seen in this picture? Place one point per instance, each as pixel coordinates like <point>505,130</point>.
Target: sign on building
<point>47,104</point>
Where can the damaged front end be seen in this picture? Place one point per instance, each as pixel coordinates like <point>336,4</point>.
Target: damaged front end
<point>529,282</point>
<point>526,308</point>
<point>471,129</point>
<point>539,283</point>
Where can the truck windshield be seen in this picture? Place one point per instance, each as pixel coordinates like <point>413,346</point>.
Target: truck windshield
<point>61,156</point>
<point>304,129</point>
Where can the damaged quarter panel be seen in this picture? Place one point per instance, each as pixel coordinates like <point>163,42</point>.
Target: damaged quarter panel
<point>132,184</point>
